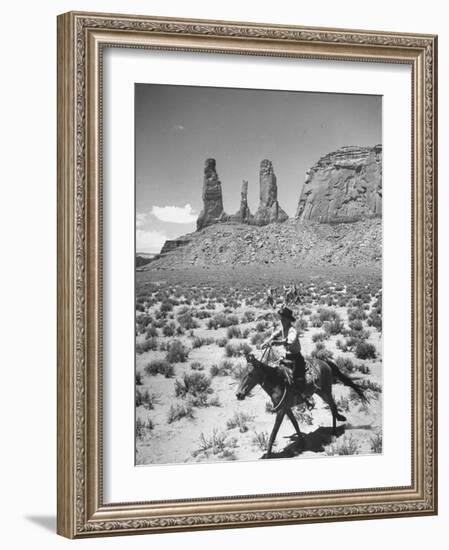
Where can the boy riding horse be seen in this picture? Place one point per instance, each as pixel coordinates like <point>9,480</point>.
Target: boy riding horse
<point>293,365</point>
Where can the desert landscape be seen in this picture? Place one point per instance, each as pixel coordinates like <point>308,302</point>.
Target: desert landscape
<point>211,297</point>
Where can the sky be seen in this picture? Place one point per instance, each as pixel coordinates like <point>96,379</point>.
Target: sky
<point>178,127</point>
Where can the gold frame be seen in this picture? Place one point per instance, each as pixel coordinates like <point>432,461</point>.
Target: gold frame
<point>81,37</point>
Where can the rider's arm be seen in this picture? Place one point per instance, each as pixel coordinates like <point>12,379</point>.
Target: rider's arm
<point>271,339</point>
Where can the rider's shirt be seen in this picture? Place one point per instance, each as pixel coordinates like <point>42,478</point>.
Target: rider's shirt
<point>292,344</point>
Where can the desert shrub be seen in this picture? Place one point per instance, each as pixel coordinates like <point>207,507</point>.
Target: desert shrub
<point>221,320</point>
<point>257,338</point>
<point>234,332</point>
<point>315,321</point>
<point>364,369</point>
<point>350,343</point>
<point>169,329</point>
<point>368,384</point>
<point>196,385</point>
<point>203,314</point>
<point>364,350</point>
<point>341,345</point>
<point>139,381</point>
<point>238,371</point>
<point>239,420</point>
<point>333,327</point>
<point>179,410</point>
<point>145,399</point>
<point>166,306</point>
<point>301,324</point>
<point>218,444</point>
<point>196,365</point>
<point>248,316</point>
<point>177,352</point>
<point>142,322</point>
<point>328,315</point>
<point>319,337</point>
<point>345,445</point>
<point>151,332</point>
<point>246,332</point>
<point>199,341</point>
<point>260,439</point>
<point>143,427</point>
<point>376,442</point>
<point>269,407</point>
<point>345,364</point>
<point>375,320</point>
<point>377,306</point>
<point>221,342</point>
<point>321,352</point>
<point>235,350</point>
<point>356,313</point>
<point>150,344</point>
<point>186,320</point>
<point>224,368</point>
<point>261,326</point>
<point>159,366</point>
<point>356,325</point>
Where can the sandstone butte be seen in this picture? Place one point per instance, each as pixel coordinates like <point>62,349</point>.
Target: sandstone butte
<point>338,218</point>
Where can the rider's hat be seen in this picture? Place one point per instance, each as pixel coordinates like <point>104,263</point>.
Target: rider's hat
<point>287,313</point>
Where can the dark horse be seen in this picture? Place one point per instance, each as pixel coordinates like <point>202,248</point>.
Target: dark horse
<point>285,397</point>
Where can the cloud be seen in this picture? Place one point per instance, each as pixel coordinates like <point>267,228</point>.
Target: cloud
<point>140,220</point>
<point>149,241</point>
<point>175,214</point>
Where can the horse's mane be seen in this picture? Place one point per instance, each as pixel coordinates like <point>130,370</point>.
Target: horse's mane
<point>272,374</point>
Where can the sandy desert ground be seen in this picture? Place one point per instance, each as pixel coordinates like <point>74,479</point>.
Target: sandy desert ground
<point>192,329</point>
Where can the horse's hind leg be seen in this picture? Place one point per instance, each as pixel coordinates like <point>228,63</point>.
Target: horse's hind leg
<point>329,399</point>
<point>293,420</point>
<point>277,424</point>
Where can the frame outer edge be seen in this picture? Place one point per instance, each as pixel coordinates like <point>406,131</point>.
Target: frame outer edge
<point>66,289</point>
<point>75,399</point>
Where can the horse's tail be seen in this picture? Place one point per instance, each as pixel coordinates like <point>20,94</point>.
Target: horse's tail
<point>347,381</point>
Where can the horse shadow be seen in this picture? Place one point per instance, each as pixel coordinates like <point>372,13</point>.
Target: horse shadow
<point>314,441</point>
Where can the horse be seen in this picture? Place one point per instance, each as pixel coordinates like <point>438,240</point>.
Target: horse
<point>284,397</point>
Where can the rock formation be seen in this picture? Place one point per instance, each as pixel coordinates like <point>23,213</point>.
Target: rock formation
<point>212,197</point>
<point>243,215</point>
<point>343,186</point>
<point>173,244</point>
<point>269,210</point>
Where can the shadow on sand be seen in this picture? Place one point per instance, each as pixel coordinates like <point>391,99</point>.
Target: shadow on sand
<point>313,441</point>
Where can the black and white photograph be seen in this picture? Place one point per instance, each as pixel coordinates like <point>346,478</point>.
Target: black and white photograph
<point>258,279</point>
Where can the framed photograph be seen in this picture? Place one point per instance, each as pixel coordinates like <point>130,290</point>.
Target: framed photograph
<point>247,281</point>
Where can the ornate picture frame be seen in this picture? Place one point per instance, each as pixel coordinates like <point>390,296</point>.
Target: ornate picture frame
<point>82,39</point>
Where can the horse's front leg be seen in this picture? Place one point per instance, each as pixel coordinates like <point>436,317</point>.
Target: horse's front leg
<point>277,424</point>
<point>293,420</point>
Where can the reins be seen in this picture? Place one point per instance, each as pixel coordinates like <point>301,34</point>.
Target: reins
<point>278,406</point>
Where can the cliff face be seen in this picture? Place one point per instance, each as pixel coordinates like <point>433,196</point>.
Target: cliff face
<point>243,215</point>
<point>269,210</point>
<point>212,197</point>
<point>343,186</point>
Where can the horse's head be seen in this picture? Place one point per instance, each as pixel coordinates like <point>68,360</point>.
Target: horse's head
<point>252,376</point>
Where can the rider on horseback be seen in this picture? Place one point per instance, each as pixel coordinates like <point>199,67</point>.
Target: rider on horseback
<point>293,365</point>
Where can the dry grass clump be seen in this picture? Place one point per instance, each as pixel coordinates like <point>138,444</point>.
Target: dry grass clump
<point>218,444</point>
<point>240,420</point>
<point>345,445</point>
<point>159,366</point>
